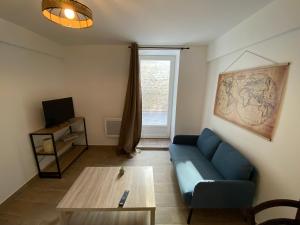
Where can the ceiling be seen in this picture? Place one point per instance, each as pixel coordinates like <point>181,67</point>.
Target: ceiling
<point>154,22</point>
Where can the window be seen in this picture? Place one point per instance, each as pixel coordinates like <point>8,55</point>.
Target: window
<point>157,80</point>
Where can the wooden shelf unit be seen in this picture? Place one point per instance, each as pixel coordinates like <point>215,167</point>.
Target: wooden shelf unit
<point>64,152</point>
<point>66,159</point>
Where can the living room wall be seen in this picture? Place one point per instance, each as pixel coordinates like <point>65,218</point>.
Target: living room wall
<point>277,161</point>
<point>191,90</point>
<point>97,78</point>
<point>31,69</point>
<point>34,68</point>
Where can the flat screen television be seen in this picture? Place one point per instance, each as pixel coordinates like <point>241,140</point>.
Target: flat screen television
<point>58,111</point>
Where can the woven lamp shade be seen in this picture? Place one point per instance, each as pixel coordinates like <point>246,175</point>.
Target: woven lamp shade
<point>53,10</point>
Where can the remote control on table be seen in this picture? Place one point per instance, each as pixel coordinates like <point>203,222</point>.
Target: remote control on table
<point>123,199</point>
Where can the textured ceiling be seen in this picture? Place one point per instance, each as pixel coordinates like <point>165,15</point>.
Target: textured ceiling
<point>145,21</point>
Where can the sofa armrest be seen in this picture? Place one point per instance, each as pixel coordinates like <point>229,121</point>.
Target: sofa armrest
<point>185,139</point>
<point>223,194</point>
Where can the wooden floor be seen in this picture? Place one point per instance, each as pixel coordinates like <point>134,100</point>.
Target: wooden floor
<point>36,203</point>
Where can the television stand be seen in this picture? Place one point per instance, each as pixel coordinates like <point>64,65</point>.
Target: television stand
<point>67,142</point>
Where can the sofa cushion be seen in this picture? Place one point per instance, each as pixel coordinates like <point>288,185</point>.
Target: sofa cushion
<point>191,172</point>
<point>182,152</point>
<point>188,176</point>
<point>231,163</point>
<point>208,143</point>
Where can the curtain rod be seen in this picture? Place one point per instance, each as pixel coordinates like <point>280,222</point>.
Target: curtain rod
<point>162,47</point>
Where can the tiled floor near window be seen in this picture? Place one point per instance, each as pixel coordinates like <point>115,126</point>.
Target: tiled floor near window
<point>35,204</point>
<point>154,144</point>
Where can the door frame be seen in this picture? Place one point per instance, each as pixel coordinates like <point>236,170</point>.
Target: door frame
<point>160,131</point>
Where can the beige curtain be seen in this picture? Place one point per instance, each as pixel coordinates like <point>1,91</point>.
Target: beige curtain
<point>131,127</point>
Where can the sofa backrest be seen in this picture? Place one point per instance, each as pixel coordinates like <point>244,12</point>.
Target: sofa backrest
<point>231,163</point>
<point>208,143</point>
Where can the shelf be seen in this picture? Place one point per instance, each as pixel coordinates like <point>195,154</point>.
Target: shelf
<point>54,129</point>
<point>66,159</point>
<point>73,136</point>
<point>66,151</point>
<point>61,146</point>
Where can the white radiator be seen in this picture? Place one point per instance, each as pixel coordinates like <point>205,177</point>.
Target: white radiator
<point>112,126</point>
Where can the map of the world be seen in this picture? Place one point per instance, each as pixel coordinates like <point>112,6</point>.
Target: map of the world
<point>251,98</point>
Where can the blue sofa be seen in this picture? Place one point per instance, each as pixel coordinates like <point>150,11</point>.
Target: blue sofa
<point>211,173</point>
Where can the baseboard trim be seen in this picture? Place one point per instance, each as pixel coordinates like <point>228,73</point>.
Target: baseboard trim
<point>102,147</point>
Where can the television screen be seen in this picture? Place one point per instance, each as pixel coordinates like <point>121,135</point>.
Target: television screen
<point>58,110</point>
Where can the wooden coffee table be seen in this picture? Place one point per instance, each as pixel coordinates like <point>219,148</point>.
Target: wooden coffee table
<point>101,188</point>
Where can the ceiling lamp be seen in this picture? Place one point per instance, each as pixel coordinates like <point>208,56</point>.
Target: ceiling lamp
<point>68,13</point>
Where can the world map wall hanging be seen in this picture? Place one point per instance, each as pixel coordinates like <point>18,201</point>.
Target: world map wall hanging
<point>251,98</point>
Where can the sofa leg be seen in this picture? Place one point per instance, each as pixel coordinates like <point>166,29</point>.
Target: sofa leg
<point>248,216</point>
<point>190,216</point>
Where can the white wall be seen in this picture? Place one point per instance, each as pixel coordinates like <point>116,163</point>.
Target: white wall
<point>278,17</point>
<point>97,80</point>
<point>191,90</point>
<point>278,161</point>
<point>26,78</point>
<point>18,36</point>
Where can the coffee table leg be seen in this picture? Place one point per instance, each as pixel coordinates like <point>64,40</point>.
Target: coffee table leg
<point>152,217</point>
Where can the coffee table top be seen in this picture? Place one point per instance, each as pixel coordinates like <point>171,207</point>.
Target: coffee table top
<point>101,188</point>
